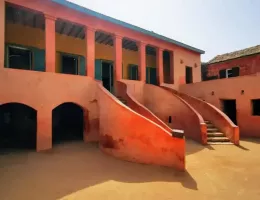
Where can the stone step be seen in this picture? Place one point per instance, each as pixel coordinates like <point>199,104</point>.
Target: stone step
<point>218,139</point>
<point>216,134</point>
<point>212,130</point>
<point>210,126</point>
<point>219,143</point>
<point>207,122</point>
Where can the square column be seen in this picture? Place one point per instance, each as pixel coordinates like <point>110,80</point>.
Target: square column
<point>90,51</point>
<point>50,45</point>
<point>159,66</point>
<point>118,57</point>
<point>2,33</point>
<point>142,61</point>
<point>44,130</point>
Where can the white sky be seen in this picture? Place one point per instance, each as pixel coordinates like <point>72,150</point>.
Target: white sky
<point>215,26</point>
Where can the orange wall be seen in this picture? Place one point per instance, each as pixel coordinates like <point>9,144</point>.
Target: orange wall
<point>145,142</point>
<point>44,92</point>
<point>231,89</point>
<point>36,38</point>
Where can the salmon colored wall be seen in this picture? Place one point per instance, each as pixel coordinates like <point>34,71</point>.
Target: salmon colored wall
<point>231,89</point>
<point>44,92</point>
<point>248,65</point>
<point>145,142</point>
<point>163,104</point>
<point>35,38</point>
<point>181,60</point>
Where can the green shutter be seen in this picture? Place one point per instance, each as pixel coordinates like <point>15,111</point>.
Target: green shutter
<point>133,72</point>
<point>82,65</point>
<point>235,71</point>
<point>147,75</point>
<point>98,69</point>
<point>38,59</point>
<point>6,56</point>
<point>153,79</point>
<point>222,73</point>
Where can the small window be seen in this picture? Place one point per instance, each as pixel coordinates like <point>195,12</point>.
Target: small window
<point>189,75</point>
<point>19,58</point>
<point>170,119</point>
<point>228,73</point>
<point>256,107</point>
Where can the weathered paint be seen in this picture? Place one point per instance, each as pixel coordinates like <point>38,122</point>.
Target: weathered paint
<point>247,65</point>
<point>163,104</point>
<point>146,142</point>
<point>231,88</point>
<point>44,92</point>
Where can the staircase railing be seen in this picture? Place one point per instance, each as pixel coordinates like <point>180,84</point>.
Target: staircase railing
<point>213,114</point>
<point>130,136</point>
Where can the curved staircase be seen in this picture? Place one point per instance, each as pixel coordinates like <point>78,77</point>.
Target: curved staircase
<point>214,136</point>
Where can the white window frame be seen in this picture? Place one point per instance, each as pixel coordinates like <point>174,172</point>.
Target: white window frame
<point>229,73</point>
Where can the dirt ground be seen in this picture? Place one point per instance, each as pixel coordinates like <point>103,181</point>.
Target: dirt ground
<point>79,171</point>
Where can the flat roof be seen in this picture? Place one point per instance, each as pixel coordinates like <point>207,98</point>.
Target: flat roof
<point>124,24</point>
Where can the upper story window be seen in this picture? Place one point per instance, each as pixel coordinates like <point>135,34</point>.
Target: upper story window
<point>228,73</point>
<point>19,58</point>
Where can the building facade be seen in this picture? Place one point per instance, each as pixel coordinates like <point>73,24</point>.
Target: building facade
<point>237,63</point>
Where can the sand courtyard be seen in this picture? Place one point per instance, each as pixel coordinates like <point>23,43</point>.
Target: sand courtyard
<point>78,171</point>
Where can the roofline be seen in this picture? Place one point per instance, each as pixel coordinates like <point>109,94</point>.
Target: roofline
<point>124,24</point>
<point>233,58</point>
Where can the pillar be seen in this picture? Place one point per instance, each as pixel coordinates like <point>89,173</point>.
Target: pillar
<point>50,46</point>
<point>2,33</point>
<point>159,65</point>
<point>118,57</point>
<point>44,130</point>
<point>142,62</point>
<point>171,67</point>
<point>90,51</point>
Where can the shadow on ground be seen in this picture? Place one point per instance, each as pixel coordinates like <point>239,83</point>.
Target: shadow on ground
<point>69,168</point>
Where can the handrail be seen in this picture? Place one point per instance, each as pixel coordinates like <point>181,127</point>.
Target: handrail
<point>128,135</point>
<point>213,114</point>
<point>123,91</point>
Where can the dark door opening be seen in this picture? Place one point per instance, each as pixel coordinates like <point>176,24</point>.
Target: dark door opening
<point>19,58</point>
<point>189,75</point>
<point>107,75</point>
<point>18,126</point>
<point>69,64</point>
<point>67,123</point>
<point>229,108</point>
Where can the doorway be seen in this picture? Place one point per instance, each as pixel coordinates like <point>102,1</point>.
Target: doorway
<point>108,75</point>
<point>67,123</point>
<point>188,75</point>
<point>229,108</point>
<point>19,58</point>
<point>69,64</point>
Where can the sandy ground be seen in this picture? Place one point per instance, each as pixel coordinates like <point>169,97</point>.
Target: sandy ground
<point>79,171</point>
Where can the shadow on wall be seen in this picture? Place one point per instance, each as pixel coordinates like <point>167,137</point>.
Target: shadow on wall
<point>83,166</point>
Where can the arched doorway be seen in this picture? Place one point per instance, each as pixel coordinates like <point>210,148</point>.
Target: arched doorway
<point>67,123</point>
<point>18,126</point>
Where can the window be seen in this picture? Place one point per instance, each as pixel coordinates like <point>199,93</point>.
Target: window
<point>228,73</point>
<point>19,58</point>
<point>189,75</point>
<point>69,64</point>
<point>256,107</point>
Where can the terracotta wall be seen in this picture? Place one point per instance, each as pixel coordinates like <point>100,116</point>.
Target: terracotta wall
<point>248,65</point>
<point>128,135</point>
<point>231,88</point>
<point>33,37</point>
<point>44,92</point>
<point>163,104</point>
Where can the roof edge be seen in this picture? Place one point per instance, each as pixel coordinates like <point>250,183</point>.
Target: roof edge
<point>124,24</point>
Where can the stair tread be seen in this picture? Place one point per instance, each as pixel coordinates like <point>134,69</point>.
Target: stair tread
<point>219,138</point>
<point>217,143</point>
<point>217,134</point>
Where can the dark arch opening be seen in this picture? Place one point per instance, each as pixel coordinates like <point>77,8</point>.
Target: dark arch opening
<point>67,123</point>
<point>18,126</point>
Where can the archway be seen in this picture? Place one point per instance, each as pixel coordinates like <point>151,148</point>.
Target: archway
<point>67,123</point>
<point>18,126</point>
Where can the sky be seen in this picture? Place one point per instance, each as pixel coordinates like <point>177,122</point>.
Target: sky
<point>215,26</point>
